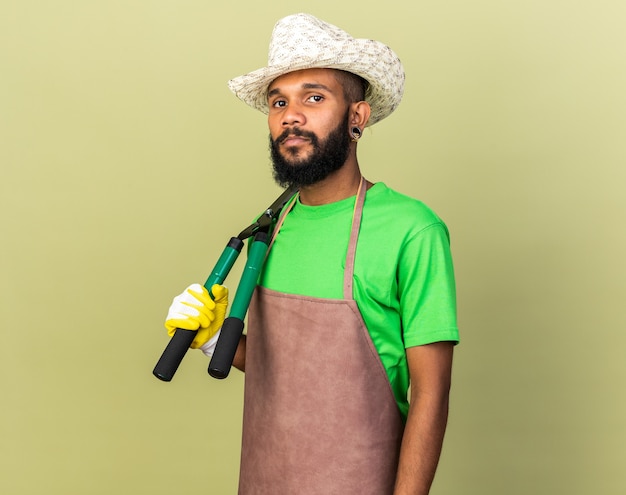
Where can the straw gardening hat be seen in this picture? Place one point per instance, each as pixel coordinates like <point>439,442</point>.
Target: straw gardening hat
<point>301,41</point>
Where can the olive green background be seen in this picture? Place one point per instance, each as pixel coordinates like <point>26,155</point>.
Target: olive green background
<point>126,165</point>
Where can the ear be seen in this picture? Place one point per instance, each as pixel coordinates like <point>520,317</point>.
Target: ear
<point>359,114</point>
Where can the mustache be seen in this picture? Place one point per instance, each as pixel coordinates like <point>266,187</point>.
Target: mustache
<point>295,131</point>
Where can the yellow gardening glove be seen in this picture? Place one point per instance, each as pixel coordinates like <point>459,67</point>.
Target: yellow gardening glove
<point>195,310</point>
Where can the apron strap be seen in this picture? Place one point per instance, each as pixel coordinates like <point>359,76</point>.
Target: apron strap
<point>348,274</point>
<point>288,207</point>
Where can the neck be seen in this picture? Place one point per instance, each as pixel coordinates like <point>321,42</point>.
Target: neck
<point>337,186</point>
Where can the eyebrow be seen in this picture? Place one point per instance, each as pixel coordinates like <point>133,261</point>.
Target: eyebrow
<point>277,91</point>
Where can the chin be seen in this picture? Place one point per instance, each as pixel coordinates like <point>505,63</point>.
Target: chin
<point>294,157</point>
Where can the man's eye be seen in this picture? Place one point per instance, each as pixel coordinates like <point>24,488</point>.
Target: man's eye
<point>279,103</point>
<point>316,98</point>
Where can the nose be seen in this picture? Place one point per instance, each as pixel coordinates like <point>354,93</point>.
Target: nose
<point>293,116</point>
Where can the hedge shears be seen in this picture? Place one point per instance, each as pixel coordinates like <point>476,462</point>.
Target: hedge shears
<point>233,325</point>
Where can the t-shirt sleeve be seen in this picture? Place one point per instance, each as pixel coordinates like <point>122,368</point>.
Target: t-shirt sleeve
<point>427,289</point>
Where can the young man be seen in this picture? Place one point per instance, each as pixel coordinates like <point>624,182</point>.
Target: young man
<point>357,296</point>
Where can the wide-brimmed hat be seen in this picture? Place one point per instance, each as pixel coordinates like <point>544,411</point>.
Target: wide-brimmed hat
<point>301,41</point>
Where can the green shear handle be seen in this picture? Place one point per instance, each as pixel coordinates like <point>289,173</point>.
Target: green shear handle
<point>177,347</point>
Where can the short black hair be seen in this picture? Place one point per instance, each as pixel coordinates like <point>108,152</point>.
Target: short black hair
<point>354,86</point>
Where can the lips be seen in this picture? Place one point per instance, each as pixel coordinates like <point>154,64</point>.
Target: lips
<point>294,137</point>
<point>293,140</point>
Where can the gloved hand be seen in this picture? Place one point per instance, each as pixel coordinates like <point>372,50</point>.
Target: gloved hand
<point>195,310</point>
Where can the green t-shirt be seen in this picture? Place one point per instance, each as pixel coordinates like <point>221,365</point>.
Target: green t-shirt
<point>403,274</point>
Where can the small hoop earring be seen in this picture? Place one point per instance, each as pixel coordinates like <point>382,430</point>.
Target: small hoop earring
<point>356,134</point>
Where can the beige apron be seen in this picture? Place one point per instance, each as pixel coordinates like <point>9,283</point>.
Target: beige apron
<point>319,413</point>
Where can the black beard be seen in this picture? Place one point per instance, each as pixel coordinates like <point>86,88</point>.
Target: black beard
<point>326,158</point>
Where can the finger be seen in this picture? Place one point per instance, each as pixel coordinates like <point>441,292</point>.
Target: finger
<point>200,313</point>
<point>185,324</point>
<point>220,293</point>
<point>201,295</point>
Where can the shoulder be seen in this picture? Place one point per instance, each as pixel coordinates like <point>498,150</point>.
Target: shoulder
<point>397,210</point>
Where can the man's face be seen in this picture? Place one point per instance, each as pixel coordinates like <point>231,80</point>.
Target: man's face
<point>308,121</point>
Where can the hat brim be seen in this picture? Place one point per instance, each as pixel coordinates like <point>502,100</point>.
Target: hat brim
<point>373,61</point>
